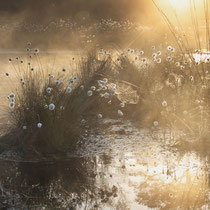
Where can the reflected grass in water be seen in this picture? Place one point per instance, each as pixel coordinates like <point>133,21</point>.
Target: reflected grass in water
<point>144,180</point>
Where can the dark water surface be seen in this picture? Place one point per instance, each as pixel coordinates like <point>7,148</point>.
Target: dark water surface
<point>117,167</point>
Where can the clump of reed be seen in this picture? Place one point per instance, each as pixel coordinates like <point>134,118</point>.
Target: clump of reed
<point>173,83</point>
<point>50,111</point>
<point>191,106</point>
<point>172,94</point>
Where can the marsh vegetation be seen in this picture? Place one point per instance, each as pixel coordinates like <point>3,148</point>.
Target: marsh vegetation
<point>105,116</point>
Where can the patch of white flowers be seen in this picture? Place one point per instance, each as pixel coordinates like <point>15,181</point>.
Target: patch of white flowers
<point>51,107</point>
<point>90,93</point>
<point>39,125</point>
<point>68,89</point>
<point>164,104</point>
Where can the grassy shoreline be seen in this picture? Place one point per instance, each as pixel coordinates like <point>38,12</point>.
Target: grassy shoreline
<point>50,110</point>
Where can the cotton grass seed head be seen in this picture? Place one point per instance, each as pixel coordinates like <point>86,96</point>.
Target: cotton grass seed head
<point>169,48</point>
<point>172,49</point>
<point>197,101</point>
<point>71,80</point>
<point>169,58</point>
<point>120,113</point>
<point>155,123</point>
<point>11,95</point>
<point>51,107</point>
<point>24,127</point>
<point>68,89</point>
<point>159,53</point>
<point>191,78</point>
<point>49,90</point>
<point>36,51</point>
<point>177,64</point>
<point>105,80</point>
<point>185,112</point>
<point>106,95</point>
<point>101,82</point>
<point>39,125</point>
<point>90,93</point>
<point>164,104</point>
<point>100,116</point>
<point>12,105</point>
<point>158,60</point>
<point>93,88</point>
<point>112,90</point>
<point>144,60</point>
<point>207,60</point>
<point>83,121</point>
<point>122,104</point>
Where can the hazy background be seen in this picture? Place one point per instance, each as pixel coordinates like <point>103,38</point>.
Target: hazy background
<point>74,24</point>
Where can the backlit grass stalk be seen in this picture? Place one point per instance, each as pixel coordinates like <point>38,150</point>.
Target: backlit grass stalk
<point>35,124</point>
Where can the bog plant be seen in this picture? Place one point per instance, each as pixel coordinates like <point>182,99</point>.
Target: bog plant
<point>49,111</point>
<point>166,88</point>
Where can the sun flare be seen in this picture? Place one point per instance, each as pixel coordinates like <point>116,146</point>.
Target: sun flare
<point>181,5</point>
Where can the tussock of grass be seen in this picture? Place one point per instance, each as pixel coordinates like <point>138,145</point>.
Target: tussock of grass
<point>62,126</point>
<point>187,99</point>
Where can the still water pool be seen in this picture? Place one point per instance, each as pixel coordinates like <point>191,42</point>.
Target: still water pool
<point>116,166</point>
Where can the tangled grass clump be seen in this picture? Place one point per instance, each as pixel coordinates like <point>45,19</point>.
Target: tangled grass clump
<point>50,112</point>
<point>173,90</point>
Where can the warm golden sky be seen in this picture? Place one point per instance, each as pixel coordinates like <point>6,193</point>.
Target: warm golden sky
<point>25,20</point>
<point>43,9</point>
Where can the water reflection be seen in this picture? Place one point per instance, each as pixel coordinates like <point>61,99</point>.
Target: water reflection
<point>61,184</point>
<point>182,186</point>
<point>132,171</point>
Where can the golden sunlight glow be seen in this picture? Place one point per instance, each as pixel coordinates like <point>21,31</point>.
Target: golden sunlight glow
<point>181,5</point>
<point>177,181</point>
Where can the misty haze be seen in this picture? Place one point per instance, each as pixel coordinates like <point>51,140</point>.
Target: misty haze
<point>105,104</point>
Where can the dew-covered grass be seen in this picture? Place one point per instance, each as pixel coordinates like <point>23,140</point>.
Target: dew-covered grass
<point>157,88</point>
<point>162,86</point>
<point>49,111</point>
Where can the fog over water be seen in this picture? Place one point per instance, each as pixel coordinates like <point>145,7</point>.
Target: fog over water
<point>76,23</point>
